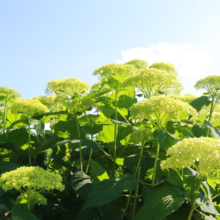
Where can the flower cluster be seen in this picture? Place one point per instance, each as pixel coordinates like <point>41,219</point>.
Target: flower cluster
<point>80,104</point>
<point>35,178</point>
<point>204,150</point>
<point>152,82</point>
<point>10,93</point>
<point>53,102</point>
<point>160,108</point>
<point>28,107</point>
<point>67,87</point>
<point>139,64</point>
<point>185,98</point>
<point>104,72</point>
<point>169,68</point>
<point>140,136</point>
<point>35,197</point>
<point>210,83</point>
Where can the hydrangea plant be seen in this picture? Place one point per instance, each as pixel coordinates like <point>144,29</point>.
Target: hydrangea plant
<point>31,182</point>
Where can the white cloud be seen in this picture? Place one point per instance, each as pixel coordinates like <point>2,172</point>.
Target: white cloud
<point>188,59</point>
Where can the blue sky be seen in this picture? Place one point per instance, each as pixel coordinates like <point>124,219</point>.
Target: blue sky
<point>49,39</point>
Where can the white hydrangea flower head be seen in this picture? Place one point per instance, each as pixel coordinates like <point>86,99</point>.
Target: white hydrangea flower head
<point>104,72</point>
<point>67,87</point>
<point>169,68</point>
<point>53,102</point>
<point>35,178</point>
<point>153,82</point>
<point>139,64</point>
<point>185,98</point>
<point>28,107</point>
<point>210,83</point>
<point>160,108</point>
<point>204,150</point>
<point>10,93</point>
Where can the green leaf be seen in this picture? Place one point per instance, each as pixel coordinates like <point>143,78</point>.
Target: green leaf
<point>200,102</point>
<point>4,208</point>
<point>3,96</point>
<point>199,131</point>
<point>97,172</point>
<point>81,183</point>
<point>125,101</point>
<point>209,206</point>
<point>97,94</point>
<point>210,218</point>
<point>192,184</point>
<point>20,212</point>
<point>160,203</point>
<point>214,131</point>
<point>8,166</point>
<point>109,190</point>
<point>181,214</point>
<point>75,141</point>
<point>165,139</point>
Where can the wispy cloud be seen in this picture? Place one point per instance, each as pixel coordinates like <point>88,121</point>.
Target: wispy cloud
<point>188,59</point>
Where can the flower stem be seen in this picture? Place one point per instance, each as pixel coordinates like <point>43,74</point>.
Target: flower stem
<point>115,131</point>
<point>211,110</point>
<point>126,207</point>
<point>80,148</point>
<point>136,194</point>
<point>193,202</point>
<point>90,155</point>
<point>5,115</point>
<point>155,164</point>
<point>29,143</point>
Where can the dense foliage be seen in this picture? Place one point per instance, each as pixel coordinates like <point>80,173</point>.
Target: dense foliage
<point>129,148</point>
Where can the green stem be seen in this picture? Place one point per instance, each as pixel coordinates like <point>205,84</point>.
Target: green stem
<point>126,207</point>
<point>140,156</point>
<point>29,143</point>
<point>155,164</point>
<point>115,131</point>
<point>90,155</point>
<point>193,202</point>
<point>28,200</point>
<point>208,200</point>
<point>138,171</point>
<point>5,116</point>
<point>211,110</point>
<point>80,147</point>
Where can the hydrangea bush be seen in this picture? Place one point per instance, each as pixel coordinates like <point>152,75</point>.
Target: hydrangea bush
<point>131,147</point>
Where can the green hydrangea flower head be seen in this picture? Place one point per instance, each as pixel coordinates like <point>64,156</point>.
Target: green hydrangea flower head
<point>185,98</point>
<point>153,82</point>
<point>35,198</point>
<point>204,150</point>
<point>67,87</point>
<point>53,102</point>
<point>10,93</point>
<point>210,83</point>
<point>169,68</point>
<point>30,182</point>
<point>104,72</point>
<point>160,108</point>
<point>139,64</point>
<point>35,178</point>
<point>80,104</point>
<point>28,107</point>
<point>142,135</point>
